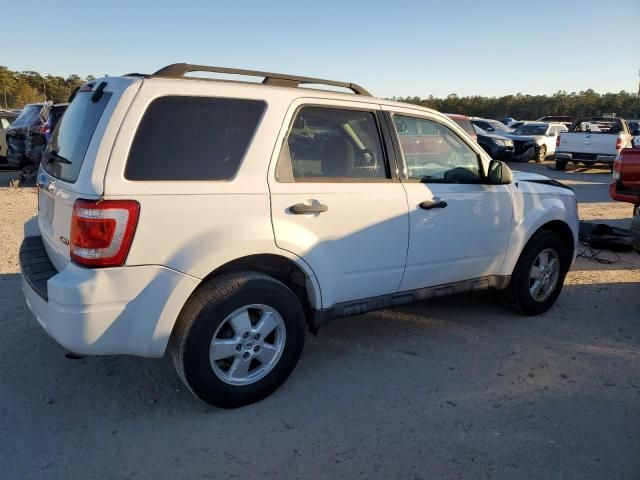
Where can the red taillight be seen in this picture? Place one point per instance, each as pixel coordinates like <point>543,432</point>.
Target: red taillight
<point>558,141</point>
<point>44,129</point>
<point>102,231</point>
<point>618,143</point>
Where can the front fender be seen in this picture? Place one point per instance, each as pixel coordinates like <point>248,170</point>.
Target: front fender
<point>531,212</point>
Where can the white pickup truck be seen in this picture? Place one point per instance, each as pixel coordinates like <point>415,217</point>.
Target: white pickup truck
<point>592,140</point>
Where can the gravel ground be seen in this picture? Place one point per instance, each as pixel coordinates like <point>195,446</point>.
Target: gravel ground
<point>454,388</point>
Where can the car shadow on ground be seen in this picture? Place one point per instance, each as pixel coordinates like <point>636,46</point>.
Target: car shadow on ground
<point>438,334</point>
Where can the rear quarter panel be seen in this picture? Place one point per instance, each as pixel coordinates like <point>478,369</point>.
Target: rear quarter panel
<point>194,227</point>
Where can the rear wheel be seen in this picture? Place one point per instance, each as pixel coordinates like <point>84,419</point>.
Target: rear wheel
<point>541,153</point>
<point>238,339</point>
<point>538,277</point>
<point>561,164</point>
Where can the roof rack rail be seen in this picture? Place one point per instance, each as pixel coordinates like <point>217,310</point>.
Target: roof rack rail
<point>278,79</point>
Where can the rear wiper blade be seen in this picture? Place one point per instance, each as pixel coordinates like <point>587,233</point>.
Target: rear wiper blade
<point>52,156</point>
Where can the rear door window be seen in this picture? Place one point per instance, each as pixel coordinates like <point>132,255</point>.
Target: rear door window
<point>332,143</point>
<point>193,138</point>
<point>71,137</point>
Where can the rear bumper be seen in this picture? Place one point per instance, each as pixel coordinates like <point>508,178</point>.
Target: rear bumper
<point>126,310</point>
<point>585,157</point>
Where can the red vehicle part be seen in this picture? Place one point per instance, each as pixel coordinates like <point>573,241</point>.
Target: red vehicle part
<point>625,183</point>
<point>625,187</point>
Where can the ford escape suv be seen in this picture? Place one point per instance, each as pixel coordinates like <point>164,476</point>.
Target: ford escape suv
<point>221,220</point>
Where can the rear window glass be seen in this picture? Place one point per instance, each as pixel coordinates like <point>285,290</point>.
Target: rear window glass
<point>72,135</point>
<point>28,116</point>
<point>193,138</point>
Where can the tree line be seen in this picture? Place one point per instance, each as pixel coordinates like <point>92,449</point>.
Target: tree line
<point>587,103</point>
<point>20,88</point>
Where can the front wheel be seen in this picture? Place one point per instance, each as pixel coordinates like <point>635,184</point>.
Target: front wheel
<point>238,339</point>
<point>541,153</point>
<point>538,277</point>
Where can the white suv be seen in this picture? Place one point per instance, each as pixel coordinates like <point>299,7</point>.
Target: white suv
<point>220,219</point>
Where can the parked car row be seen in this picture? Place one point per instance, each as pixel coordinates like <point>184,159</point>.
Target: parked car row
<point>531,140</point>
<point>587,140</point>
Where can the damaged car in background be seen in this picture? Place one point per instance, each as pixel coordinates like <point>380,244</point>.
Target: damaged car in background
<point>28,135</point>
<point>497,146</point>
<point>536,140</point>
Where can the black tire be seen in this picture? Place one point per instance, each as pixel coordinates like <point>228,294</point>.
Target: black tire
<point>561,164</point>
<point>541,153</point>
<point>207,310</point>
<point>517,295</point>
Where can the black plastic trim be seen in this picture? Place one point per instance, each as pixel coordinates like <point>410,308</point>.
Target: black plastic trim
<point>551,182</point>
<point>35,265</point>
<point>357,307</point>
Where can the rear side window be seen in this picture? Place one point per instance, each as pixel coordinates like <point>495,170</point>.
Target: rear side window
<point>193,138</point>
<point>71,137</point>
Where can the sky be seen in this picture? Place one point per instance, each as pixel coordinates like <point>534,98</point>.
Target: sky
<point>408,48</point>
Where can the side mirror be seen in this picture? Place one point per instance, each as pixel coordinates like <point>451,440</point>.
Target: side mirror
<point>551,134</point>
<point>499,173</point>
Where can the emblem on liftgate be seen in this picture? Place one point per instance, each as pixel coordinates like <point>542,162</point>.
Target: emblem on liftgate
<point>64,240</point>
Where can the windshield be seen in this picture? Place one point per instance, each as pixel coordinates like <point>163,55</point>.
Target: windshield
<point>498,126</point>
<point>29,115</point>
<point>72,135</point>
<point>532,130</point>
<point>480,131</point>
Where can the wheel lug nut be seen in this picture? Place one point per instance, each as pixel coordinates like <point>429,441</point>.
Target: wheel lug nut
<point>239,347</point>
<point>245,355</point>
<point>256,348</point>
<point>246,335</point>
<point>256,336</point>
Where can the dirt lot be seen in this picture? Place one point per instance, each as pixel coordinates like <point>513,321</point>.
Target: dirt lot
<point>456,388</point>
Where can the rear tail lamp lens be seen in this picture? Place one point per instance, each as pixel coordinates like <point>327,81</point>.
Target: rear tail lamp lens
<point>102,231</point>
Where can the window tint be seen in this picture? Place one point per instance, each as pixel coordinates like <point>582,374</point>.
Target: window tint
<point>433,153</point>
<point>332,143</point>
<point>71,137</point>
<point>192,138</point>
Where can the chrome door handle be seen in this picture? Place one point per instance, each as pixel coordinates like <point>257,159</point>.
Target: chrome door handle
<point>301,208</point>
<point>435,203</point>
